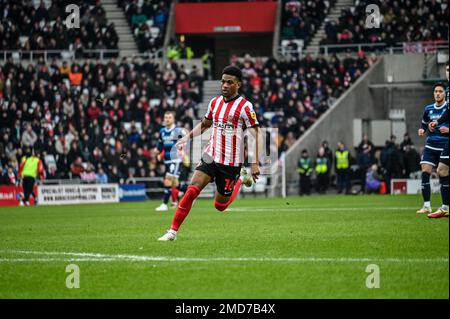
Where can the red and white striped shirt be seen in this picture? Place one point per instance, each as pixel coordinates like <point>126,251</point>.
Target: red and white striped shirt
<point>230,119</point>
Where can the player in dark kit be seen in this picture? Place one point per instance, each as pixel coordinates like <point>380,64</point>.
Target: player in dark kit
<point>230,115</point>
<point>442,169</point>
<point>436,141</point>
<point>168,137</point>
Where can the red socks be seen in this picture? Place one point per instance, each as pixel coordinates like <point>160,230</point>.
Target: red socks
<point>222,206</point>
<point>236,189</point>
<point>185,206</point>
<point>175,192</point>
<point>191,194</point>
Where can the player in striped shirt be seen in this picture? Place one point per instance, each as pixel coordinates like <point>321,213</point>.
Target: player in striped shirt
<point>229,115</point>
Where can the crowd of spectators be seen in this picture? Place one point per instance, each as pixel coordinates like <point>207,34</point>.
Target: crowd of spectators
<point>80,119</point>
<point>25,27</point>
<point>148,20</point>
<point>394,160</point>
<point>291,95</point>
<point>400,21</point>
<point>371,166</point>
<point>301,18</point>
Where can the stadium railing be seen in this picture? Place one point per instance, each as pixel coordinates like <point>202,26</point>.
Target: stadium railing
<point>60,54</point>
<point>380,48</point>
<point>399,48</point>
<point>47,55</point>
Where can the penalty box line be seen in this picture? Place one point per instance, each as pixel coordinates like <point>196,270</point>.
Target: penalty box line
<point>43,256</point>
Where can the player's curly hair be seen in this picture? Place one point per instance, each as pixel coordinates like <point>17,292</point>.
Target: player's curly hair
<point>233,70</point>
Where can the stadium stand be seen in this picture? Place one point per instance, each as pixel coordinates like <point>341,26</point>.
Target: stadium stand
<point>301,18</point>
<point>401,21</point>
<point>27,27</point>
<point>148,21</point>
<point>92,113</point>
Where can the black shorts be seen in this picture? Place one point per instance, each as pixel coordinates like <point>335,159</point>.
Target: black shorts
<point>225,176</point>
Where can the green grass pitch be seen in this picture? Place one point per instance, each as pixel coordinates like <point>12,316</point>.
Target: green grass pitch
<point>299,247</point>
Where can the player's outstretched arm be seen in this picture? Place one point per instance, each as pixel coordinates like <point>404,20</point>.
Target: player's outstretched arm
<point>196,131</point>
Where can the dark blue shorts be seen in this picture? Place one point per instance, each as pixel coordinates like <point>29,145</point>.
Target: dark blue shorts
<point>173,169</point>
<point>444,155</point>
<point>431,156</point>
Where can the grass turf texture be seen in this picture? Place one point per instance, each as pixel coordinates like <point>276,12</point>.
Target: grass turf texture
<point>309,247</point>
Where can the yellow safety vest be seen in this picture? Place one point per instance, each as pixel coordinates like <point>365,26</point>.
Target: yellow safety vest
<point>205,61</point>
<point>304,166</point>
<point>321,166</point>
<point>30,167</point>
<point>172,53</point>
<point>342,160</point>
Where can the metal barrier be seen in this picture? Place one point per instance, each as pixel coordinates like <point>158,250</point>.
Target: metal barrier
<point>398,48</point>
<point>69,55</point>
<point>380,48</point>
<point>58,54</point>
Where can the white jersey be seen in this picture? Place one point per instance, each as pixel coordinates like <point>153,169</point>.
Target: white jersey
<point>230,119</point>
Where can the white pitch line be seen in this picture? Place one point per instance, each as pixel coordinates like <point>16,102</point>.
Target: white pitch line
<point>44,259</point>
<point>294,209</point>
<point>73,256</point>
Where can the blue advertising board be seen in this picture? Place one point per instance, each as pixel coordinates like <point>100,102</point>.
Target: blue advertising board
<point>132,192</point>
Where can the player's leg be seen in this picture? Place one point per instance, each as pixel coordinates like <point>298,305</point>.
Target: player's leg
<point>319,183</point>
<point>323,183</point>
<point>442,171</point>
<point>228,182</point>
<point>339,180</point>
<point>199,180</point>
<point>426,189</point>
<point>27,181</point>
<point>326,182</point>
<point>34,195</point>
<point>167,192</point>
<point>30,186</point>
<point>302,184</point>
<point>308,185</point>
<point>182,183</point>
<point>179,190</point>
<point>202,177</point>
<point>174,192</point>
<point>33,192</point>
<point>175,184</point>
<point>347,182</point>
<point>430,159</point>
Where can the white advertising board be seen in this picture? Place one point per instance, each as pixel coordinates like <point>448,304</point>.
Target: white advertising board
<point>78,194</point>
